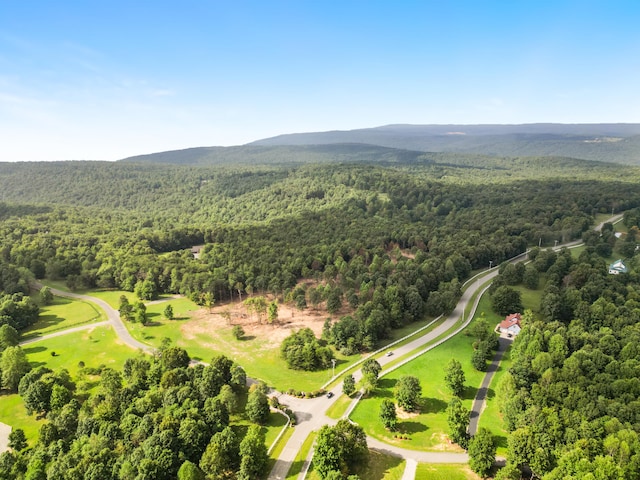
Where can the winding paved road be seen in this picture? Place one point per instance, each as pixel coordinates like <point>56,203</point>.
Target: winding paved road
<point>113,317</point>
<point>310,413</point>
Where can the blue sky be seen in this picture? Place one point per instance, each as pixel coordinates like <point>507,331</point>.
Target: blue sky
<point>106,80</point>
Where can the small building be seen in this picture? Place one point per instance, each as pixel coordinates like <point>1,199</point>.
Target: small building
<point>617,267</point>
<point>195,251</point>
<point>511,325</point>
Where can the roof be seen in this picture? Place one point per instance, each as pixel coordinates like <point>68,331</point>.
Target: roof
<point>511,320</point>
<point>618,266</point>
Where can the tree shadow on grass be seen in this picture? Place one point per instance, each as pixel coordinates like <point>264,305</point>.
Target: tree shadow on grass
<point>500,441</point>
<point>410,427</point>
<point>491,394</point>
<point>381,393</point>
<point>295,468</point>
<point>49,320</point>
<point>29,350</point>
<point>469,393</point>
<point>386,383</point>
<point>380,464</point>
<point>432,405</point>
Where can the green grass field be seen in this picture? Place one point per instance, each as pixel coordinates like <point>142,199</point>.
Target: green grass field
<point>63,313</point>
<point>426,430</point>
<point>491,417</point>
<point>298,462</point>
<point>380,467</point>
<point>428,471</point>
<point>13,413</point>
<point>94,347</point>
<point>258,356</point>
<point>339,407</point>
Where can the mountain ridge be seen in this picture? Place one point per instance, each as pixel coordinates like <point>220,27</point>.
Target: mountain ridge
<point>606,142</point>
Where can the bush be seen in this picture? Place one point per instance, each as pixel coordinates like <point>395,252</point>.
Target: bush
<point>237,332</point>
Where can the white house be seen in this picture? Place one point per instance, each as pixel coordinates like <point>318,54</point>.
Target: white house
<point>617,267</point>
<point>511,325</point>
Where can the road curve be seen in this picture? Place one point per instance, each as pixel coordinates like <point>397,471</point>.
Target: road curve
<point>113,317</point>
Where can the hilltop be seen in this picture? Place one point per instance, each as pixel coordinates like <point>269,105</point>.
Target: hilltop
<point>619,143</point>
<point>407,144</point>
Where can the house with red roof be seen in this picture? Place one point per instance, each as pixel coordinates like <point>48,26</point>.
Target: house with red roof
<point>511,325</point>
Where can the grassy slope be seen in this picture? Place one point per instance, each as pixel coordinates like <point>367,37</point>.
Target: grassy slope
<point>426,430</point>
<point>63,313</point>
<point>427,471</point>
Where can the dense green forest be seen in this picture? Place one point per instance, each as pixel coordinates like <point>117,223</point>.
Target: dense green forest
<point>394,239</point>
<point>570,400</point>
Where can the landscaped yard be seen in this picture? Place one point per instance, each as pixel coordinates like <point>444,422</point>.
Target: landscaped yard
<point>95,347</point>
<point>428,428</point>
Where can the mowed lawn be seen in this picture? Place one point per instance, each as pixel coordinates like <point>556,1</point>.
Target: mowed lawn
<point>428,428</point>
<point>380,467</point>
<point>63,313</point>
<point>429,471</point>
<point>94,347</point>
<point>491,417</point>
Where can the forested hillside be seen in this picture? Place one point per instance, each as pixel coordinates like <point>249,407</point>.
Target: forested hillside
<point>570,400</point>
<point>618,143</point>
<point>392,238</point>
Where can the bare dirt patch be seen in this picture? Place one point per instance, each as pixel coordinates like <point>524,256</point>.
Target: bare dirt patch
<point>228,314</point>
<point>442,443</point>
<point>401,414</point>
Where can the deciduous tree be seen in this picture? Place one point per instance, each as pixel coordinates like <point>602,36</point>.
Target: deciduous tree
<point>388,414</point>
<point>348,385</point>
<point>13,365</point>
<point>454,377</point>
<point>458,419</point>
<point>253,455</point>
<point>407,392</point>
<point>482,452</point>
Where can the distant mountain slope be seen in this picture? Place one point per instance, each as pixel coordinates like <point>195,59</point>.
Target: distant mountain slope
<point>618,143</point>
<point>281,154</point>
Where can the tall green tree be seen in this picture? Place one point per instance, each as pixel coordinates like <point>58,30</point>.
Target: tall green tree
<point>407,392</point>
<point>9,337</point>
<point>253,455</point>
<point>340,448</point>
<point>454,377</point>
<point>348,385</point>
<point>458,420</point>
<point>46,296</point>
<point>257,408</point>
<point>482,452</point>
<point>190,471</point>
<point>221,459</point>
<point>13,365</point>
<point>388,414</point>
<point>506,300</point>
